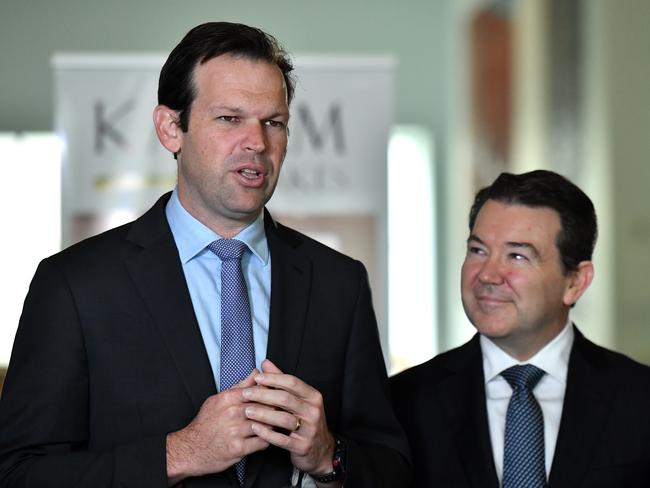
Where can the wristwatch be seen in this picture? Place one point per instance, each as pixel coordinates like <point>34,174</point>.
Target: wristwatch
<point>338,462</point>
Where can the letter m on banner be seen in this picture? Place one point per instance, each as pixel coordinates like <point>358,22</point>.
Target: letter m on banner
<point>317,135</point>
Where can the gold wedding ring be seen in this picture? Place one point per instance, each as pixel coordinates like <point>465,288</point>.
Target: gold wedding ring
<point>297,423</point>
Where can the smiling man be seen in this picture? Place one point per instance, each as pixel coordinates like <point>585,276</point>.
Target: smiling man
<point>529,401</point>
<point>204,344</point>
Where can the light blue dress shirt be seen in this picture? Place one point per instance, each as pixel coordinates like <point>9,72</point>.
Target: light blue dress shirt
<point>202,270</point>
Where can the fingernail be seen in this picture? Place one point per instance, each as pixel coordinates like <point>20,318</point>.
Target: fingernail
<point>259,378</point>
<point>250,411</point>
<point>247,393</point>
<point>254,427</point>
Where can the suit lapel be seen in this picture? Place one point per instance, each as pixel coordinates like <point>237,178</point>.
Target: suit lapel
<point>467,413</point>
<point>158,276</point>
<point>586,405</point>
<point>290,289</point>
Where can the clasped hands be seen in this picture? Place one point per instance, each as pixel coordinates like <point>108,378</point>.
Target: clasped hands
<point>266,408</point>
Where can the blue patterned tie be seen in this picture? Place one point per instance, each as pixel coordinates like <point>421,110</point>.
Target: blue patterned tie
<point>523,453</point>
<point>237,349</point>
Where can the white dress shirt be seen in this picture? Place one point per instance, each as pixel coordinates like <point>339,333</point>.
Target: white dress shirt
<point>554,360</point>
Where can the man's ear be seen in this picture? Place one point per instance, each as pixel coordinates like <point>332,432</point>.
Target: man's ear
<point>169,133</point>
<point>578,281</point>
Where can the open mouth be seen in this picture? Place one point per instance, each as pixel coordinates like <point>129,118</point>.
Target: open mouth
<point>250,174</point>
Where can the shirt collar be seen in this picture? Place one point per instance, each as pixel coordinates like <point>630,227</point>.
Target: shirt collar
<point>552,358</point>
<point>192,237</point>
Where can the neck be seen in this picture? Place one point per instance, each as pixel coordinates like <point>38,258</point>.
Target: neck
<point>524,348</point>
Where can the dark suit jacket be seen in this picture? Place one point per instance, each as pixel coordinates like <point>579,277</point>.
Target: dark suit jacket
<point>109,358</point>
<point>604,436</point>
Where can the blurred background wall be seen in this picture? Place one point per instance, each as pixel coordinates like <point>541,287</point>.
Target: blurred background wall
<point>576,83</point>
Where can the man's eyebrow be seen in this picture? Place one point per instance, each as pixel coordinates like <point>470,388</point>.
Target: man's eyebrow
<point>283,114</point>
<point>475,238</point>
<point>228,108</point>
<point>235,110</point>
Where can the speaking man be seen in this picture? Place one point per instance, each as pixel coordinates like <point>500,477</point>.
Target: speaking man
<point>203,344</point>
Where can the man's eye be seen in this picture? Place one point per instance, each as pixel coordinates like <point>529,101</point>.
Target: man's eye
<point>275,123</point>
<point>475,250</point>
<point>228,118</point>
<point>518,257</point>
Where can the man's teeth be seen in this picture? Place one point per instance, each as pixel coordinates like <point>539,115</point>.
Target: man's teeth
<point>249,173</point>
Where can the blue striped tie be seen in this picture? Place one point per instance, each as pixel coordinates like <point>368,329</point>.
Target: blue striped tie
<point>237,348</point>
<point>523,453</point>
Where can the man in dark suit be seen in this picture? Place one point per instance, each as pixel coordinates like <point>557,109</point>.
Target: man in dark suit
<point>115,372</point>
<point>528,262</point>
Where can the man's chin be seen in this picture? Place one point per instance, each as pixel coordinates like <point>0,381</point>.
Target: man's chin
<point>492,326</point>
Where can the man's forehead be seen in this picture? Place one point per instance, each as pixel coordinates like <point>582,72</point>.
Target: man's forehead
<point>238,72</point>
<point>226,60</point>
<point>516,223</point>
<point>522,210</point>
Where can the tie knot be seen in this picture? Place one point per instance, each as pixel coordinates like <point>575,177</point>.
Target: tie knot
<point>227,249</point>
<point>523,376</point>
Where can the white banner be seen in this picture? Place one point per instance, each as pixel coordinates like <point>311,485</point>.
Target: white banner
<point>336,163</point>
<point>112,159</point>
<point>340,122</point>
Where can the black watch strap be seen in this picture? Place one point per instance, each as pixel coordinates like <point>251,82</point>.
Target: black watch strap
<point>338,462</point>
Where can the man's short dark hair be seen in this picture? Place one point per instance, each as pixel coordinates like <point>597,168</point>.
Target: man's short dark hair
<point>541,188</point>
<point>204,42</point>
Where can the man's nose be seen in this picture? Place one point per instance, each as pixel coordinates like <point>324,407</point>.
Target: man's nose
<point>491,271</point>
<point>255,137</point>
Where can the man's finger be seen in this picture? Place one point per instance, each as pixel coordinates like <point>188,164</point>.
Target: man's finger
<point>269,367</point>
<point>273,417</point>
<point>249,380</point>
<point>274,397</point>
<point>286,382</point>
<point>271,436</point>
